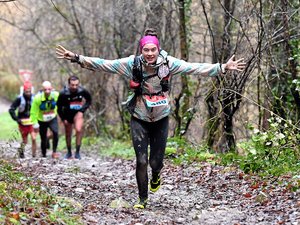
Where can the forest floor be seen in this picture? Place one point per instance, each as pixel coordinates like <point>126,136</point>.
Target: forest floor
<point>104,191</point>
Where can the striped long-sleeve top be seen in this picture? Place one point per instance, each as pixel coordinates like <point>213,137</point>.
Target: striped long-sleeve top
<point>151,108</point>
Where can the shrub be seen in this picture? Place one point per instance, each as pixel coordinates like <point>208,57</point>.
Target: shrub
<point>275,151</point>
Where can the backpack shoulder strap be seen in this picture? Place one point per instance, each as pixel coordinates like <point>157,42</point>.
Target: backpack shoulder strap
<point>22,99</point>
<point>137,70</point>
<point>136,61</point>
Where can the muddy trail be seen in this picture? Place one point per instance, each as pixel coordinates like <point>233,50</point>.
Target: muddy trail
<point>104,190</point>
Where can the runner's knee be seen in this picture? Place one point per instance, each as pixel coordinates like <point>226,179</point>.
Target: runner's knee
<point>78,129</point>
<point>141,160</point>
<point>156,165</point>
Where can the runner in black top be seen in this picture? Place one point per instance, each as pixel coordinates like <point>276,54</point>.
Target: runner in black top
<point>72,102</point>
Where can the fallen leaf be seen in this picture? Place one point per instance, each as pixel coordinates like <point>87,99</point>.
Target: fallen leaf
<point>15,215</point>
<point>247,195</point>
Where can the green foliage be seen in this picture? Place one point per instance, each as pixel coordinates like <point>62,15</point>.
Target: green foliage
<point>285,84</point>
<point>10,86</point>
<point>24,201</point>
<point>273,152</point>
<point>9,128</point>
<point>111,147</point>
<point>296,82</point>
<point>118,132</point>
<point>180,151</point>
<point>296,56</point>
<point>119,149</point>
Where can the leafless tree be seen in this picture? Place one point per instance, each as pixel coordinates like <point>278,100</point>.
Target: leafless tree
<point>261,33</point>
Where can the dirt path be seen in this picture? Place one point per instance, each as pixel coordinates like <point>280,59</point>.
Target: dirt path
<point>104,190</point>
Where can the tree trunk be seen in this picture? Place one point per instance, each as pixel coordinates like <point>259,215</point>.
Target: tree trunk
<point>213,119</point>
<point>182,102</point>
<point>220,127</point>
<point>291,63</point>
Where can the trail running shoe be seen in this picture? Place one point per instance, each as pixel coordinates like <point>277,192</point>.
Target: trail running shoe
<point>68,155</point>
<point>55,155</point>
<point>141,204</point>
<point>77,155</point>
<point>21,153</point>
<point>154,185</point>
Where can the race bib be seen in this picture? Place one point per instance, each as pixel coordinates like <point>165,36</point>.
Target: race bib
<point>26,121</point>
<point>47,116</point>
<point>75,105</point>
<point>156,100</point>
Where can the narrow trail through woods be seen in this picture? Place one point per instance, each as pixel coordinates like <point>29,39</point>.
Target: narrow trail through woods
<point>104,191</point>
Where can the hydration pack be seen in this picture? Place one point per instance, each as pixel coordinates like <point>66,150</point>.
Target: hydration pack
<point>22,105</point>
<point>48,104</point>
<point>137,81</point>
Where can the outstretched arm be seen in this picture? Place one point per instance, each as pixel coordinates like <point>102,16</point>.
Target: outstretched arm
<point>119,66</point>
<point>182,67</point>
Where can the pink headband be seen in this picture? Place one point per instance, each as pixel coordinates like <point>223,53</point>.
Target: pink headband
<point>149,40</point>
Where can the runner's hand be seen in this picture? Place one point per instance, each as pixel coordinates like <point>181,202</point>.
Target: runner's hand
<point>63,53</point>
<point>238,65</point>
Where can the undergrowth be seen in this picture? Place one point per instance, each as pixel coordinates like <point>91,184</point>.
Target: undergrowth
<point>24,200</point>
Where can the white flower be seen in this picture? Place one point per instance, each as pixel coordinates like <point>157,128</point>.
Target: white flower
<point>280,136</point>
<point>274,124</point>
<point>252,151</point>
<point>256,131</point>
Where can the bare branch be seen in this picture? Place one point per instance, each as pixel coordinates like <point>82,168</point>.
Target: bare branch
<point>3,1</point>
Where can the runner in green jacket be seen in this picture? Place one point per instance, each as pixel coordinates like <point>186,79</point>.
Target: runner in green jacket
<point>43,114</point>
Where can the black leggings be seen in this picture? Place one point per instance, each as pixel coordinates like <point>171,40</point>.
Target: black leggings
<point>144,133</point>
<point>53,125</point>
